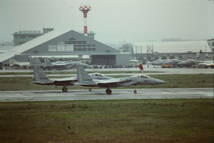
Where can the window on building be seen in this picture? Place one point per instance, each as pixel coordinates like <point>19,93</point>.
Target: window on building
<point>73,41</point>
<point>61,48</point>
<point>52,48</point>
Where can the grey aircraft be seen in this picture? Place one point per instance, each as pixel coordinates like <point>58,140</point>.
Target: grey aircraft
<point>60,65</point>
<point>173,62</point>
<point>99,80</point>
<point>41,78</point>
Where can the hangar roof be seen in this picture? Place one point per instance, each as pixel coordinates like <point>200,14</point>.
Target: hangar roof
<point>29,45</point>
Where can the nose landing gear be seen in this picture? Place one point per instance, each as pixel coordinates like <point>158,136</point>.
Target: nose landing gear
<point>64,89</point>
<point>108,91</point>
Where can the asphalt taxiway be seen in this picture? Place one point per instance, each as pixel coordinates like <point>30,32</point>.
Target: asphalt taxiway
<point>99,94</point>
<point>148,71</point>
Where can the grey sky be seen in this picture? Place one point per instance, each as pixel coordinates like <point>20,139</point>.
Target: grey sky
<point>113,21</point>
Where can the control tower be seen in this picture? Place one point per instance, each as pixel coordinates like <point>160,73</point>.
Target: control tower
<point>85,9</point>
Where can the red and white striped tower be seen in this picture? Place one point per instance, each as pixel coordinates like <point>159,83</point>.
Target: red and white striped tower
<point>85,9</point>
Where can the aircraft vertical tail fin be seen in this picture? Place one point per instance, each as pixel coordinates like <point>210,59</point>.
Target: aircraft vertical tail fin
<point>39,75</point>
<point>47,62</point>
<point>83,77</point>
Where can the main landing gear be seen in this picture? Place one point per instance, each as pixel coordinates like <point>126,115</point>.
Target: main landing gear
<point>108,91</point>
<point>64,89</point>
<point>135,91</point>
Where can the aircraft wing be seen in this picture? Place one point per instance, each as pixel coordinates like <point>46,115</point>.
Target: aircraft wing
<point>69,63</point>
<point>58,63</point>
<point>111,82</point>
<point>65,79</point>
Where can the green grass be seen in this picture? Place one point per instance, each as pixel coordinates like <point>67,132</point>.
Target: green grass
<point>172,81</point>
<point>131,121</point>
<point>16,73</point>
<point>185,81</point>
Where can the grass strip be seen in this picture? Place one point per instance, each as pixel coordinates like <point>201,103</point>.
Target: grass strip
<point>136,121</point>
<point>172,81</point>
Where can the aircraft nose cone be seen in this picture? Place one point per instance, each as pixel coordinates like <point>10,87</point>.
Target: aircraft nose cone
<point>161,81</point>
<point>155,81</point>
<point>158,81</point>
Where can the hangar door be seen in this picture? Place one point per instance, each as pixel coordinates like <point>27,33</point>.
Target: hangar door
<point>103,59</point>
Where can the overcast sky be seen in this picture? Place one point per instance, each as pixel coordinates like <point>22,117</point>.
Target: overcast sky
<point>113,21</point>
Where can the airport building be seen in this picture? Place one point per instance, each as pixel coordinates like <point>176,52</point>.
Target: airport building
<point>182,49</point>
<point>67,44</point>
<point>22,37</point>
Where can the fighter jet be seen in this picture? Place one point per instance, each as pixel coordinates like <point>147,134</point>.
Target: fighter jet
<point>166,62</point>
<point>99,80</point>
<point>188,63</point>
<point>62,64</point>
<point>41,78</point>
<point>157,62</point>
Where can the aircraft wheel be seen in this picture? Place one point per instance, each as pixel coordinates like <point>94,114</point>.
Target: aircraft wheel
<point>108,91</point>
<point>64,89</point>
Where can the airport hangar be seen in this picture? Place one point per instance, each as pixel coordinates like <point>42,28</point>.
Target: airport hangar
<point>66,44</point>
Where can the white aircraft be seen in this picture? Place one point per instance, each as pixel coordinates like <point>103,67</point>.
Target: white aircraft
<point>41,78</point>
<point>99,80</point>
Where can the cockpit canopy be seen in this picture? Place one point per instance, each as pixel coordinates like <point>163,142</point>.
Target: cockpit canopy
<point>143,76</point>
<point>99,76</point>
